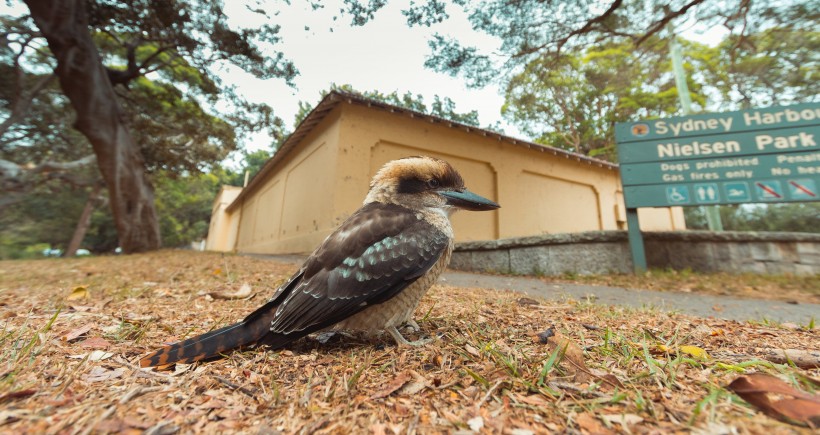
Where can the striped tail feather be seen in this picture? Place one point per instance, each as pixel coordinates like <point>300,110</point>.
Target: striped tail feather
<point>209,344</point>
<point>254,328</point>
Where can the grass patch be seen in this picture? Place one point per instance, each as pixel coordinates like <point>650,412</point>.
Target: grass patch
<point>69,365</point>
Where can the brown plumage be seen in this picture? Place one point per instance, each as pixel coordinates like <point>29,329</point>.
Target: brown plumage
<point>369,274</point>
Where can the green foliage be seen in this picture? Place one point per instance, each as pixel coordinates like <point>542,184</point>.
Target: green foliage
<point>184,206</point>
<point>573,101</point>
<point>252,163</point>
<point>532,29</point>
<point>572,68</point>
<point>793,217</point>
<point>46,217</point>
<point>164,60</point>
<point>174,132</point>
<point>777,66</point>
<point>182,45</point>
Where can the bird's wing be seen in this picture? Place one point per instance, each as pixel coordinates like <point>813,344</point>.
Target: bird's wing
<point>370,258</point>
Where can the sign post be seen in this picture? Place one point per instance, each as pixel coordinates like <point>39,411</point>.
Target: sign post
<point>758,155</point>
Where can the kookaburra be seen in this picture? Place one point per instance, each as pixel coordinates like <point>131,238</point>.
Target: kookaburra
<point>369,274</point>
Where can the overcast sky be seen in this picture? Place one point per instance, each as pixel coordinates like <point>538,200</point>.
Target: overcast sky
<point>384,55</point>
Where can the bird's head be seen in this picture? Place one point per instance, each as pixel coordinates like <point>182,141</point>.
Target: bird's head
<point>424,182</point>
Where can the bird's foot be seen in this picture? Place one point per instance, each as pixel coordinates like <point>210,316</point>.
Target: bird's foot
<point>401,341</point>
<point>412,325</point>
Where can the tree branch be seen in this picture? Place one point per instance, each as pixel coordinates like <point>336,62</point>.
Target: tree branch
<point>156,53</point>
<point>65,166</point>
<point>665,20</point>
<point>132,70</point>
<point>22,101</point>
<point>589,26</point>
<point>17,180</point>
<point>162,64</point>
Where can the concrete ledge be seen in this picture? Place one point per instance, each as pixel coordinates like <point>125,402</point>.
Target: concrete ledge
<point>600,252</point>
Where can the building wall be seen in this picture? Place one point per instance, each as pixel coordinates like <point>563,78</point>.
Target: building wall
<point>292,211</point>
<point>662,219</point>
<point>223,226</point>
<point>533,187</point>
<point>323,180</point>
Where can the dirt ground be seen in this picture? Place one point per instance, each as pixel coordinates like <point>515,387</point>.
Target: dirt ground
<point>73,330</point>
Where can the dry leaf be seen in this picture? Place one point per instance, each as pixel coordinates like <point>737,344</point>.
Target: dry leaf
<point>398,382</point>
<point>573,360</point>
<point>136,319</point>
<point>148,401</point>
<point>79,292</point>
<point>21,394</point>
<point>755,389</point>
<point>95,343</point>
<point>608,379</point>
<point>75,334</point>
<point>527,301</point>
<point>412,388</point>
<point>535,400</point>
<point>9,415</point>
<point>178,368</point>
<point>243,293</point>
<point>622,419</point>
<point>99,374</point>
<point>97,355</point>
<point>476,423</point>
<point>695,352</point>
<point>589,424</point>
<point>472,350</point>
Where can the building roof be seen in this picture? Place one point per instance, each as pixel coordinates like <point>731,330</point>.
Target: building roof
<point>334,98</point>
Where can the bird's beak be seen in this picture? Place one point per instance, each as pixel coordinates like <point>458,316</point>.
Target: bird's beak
<point>468,200</point>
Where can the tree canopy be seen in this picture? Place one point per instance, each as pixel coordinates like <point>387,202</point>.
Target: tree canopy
<point>573,100</point>
<point>529,29</point>
<point>129,93</point>
<point>572,68</point>
<point>139,77</point>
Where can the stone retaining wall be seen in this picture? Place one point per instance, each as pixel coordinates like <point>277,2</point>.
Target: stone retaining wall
<point>600,252</point>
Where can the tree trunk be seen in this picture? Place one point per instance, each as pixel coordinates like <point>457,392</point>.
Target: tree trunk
<point>85,83</point>
<point>84,222</point>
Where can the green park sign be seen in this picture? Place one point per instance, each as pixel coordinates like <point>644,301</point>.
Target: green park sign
<point>757,155</point>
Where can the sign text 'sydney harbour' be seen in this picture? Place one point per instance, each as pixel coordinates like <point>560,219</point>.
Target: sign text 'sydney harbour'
<point>757,155</point>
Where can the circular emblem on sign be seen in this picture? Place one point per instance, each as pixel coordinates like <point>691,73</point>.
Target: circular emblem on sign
<point>640,130</point>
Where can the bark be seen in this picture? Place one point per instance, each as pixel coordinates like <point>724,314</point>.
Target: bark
<point>84,222</point>
<point>85,82</point>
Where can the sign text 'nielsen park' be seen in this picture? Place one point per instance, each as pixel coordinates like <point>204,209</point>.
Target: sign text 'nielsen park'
<point>757,155</point>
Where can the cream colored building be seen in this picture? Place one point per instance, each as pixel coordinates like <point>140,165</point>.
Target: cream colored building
<point>321,173</point>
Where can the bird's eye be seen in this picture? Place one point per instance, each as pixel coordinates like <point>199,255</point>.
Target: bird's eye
<point>433,183</point>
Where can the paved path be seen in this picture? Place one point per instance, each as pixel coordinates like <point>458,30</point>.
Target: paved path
<point>688,303</point>
<point>724,307</point>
